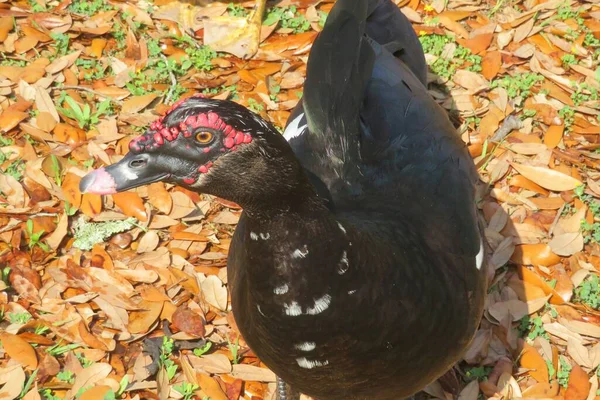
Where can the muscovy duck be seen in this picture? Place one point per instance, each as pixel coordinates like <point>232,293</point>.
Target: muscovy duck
<point>357,267</point>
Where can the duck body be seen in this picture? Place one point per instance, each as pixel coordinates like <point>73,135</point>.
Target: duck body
<point>357,268</point>
<point>379,292</point>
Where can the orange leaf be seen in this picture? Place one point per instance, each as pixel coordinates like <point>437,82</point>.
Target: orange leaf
<point>522,182</point>
<point>11,118</point>
<point>189,236</point>
<point>160,198</point>
<point>210,387</point>
<point>91,204</point>
<point>579,384</point>
<point>131,204</point>
<point>6,25</point>
<point>490,65</point>
<point>531,359</point>
<point>547,178</point>
<point>95,393</point>
<point>138,103</point>
<point>70,189</point>
<point>553,135</point>
<point>19,350</point>
<point>142,321</point>
<point>90,339</point>
<point>478,43</point>
<point>542,44</point>
<point>548,203</point>
<point>534,254</point>
<point>68,134</point>
<point>454,26</point>
<point>542,390</point>
<point>533,278</point>
<point>97,46</point>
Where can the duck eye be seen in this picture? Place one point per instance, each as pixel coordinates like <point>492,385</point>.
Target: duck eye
<point>204,137</point>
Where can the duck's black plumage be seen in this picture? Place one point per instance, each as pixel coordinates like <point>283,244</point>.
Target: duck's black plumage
<point>356,270</point>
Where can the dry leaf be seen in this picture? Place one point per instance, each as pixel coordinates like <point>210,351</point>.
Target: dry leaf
<point>547,178</point>
<point>19,350</point>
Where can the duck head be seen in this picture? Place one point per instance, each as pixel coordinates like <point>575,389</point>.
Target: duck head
<point>210,146</point>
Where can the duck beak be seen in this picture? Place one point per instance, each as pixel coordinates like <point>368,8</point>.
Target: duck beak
<point>132,171</point>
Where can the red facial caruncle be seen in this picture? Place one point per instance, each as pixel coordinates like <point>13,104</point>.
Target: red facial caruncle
<point>160,134</point>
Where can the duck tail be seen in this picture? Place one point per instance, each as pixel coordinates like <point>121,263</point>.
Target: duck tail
<point>338,71</point>
<point>390,28</point>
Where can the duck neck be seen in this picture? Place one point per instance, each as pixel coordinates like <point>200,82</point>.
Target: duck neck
<point>267,181</point>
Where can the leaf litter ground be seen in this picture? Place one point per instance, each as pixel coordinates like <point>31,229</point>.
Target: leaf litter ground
<point>125,296</point>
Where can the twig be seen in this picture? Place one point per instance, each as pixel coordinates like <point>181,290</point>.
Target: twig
<point>87,89</point>
<point>173,80</point>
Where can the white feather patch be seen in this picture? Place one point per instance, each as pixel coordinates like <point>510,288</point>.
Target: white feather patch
<point>283,289</point>
<point>293,309</point>
<point>294,129</point>
<point>310,364</point>
<point>305,346</point>
<point>321,305</point>
<point>479,257</point>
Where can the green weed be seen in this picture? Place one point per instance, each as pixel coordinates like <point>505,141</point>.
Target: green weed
<point>89,8</point>
<point>66,376</point>
<point>186,389</point>
<point>532,327</point>
<point>235,10</point>
<point>288,17</point>
<point>203,350</point>
<point>19,318</point>
<point>479,373</point>
<point>564,370</point>
<point>519,84</point>
<point>35,237</point>
<point>165,353</point>
<point>255,106</point>
<point>83,115</point>
<point>568,59</point>
<point>588,292</point>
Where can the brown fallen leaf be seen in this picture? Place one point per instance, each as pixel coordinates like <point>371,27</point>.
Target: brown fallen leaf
<point>567,244</point>
<point>189,321</point>
<point>15,380</point>
<point>19,350</point>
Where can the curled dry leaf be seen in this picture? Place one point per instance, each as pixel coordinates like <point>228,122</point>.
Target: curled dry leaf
<point>182,205</point>
<point>214,292</point>
<point>148,242</point>
<point>189,321</point>
<point>90,375</point>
